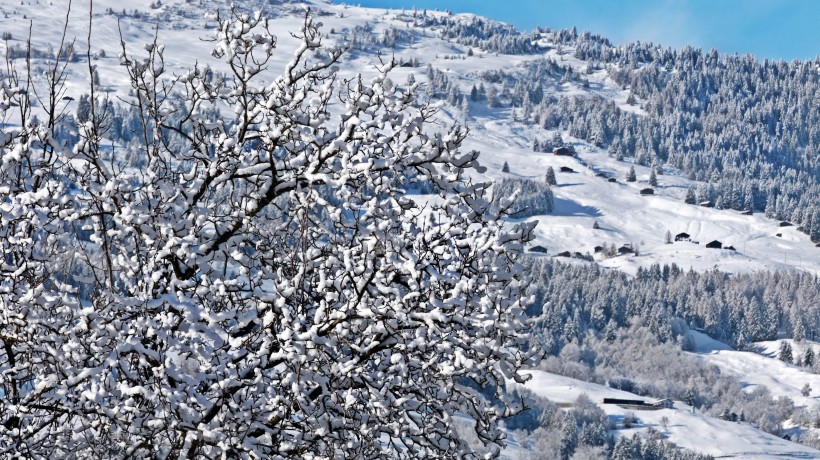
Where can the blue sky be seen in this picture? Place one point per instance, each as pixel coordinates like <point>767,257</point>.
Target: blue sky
<point>776,29</point>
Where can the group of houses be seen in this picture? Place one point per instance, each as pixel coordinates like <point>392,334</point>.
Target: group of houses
<point>714,244</point>
<point>627,248</point>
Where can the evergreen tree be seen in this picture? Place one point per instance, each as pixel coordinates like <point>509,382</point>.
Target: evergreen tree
<point>785,352</point>
<point>808,357</point>
<point>690,196</point>
<point>505,168</point>
<point>630,176</point>
<point>550,178</point>
<point>653,179</point>
<point>83,108</point>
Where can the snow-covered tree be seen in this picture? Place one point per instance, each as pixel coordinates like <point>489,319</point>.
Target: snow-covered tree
<point>808,357</point>
<point>785,352</point>
<point>263,287</point>
<point>653,179</point>
<point>550,177</point>
<point>522,198</point>
<point>630,176</point>
<point>690,196</point>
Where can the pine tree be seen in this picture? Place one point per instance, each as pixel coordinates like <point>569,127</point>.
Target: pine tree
<point>808,357</point>
<point>630,176</point>
<point>505,168</point>
<point>83,108</point>
<point>785,352</point>
<point>690,196</point>
<point>653,179</point>
<point>550,178</point>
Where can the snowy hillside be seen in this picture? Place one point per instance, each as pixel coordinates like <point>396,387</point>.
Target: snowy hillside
<point>582,198</point>
<point>680,425</point>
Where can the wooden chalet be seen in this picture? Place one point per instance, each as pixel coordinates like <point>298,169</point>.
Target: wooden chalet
<point>539,249</point>
<point>786,224</point>
<point>683,236</point>
<point>706,204</point>
<point>612,179</point>
<point>647,191</point>
<point>625,249</point>
<point>714,245</point>
<point>566,169</point>
<point>562,152</point>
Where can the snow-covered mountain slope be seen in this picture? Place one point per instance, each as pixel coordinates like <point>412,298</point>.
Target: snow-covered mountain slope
<point>680,425</point>
<point>582,198</point>
<point>763,368</point>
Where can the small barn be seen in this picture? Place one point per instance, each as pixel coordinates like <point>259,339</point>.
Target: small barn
<point>625,249</point>
<point>747,213</point>
<point>540,249</point>
<point>624,402</point>
<point>599,249</point>
<point>714,245</point>
<point>647,191</point>
<point>729,248</point>
<point>706,204</point>
<point>564,254</point>
<point>786,224</point>
<point>683,236</point>
<point>562,152</point>
<point>664,403</point>
<point>612,179</point>
<point>566,169</point>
